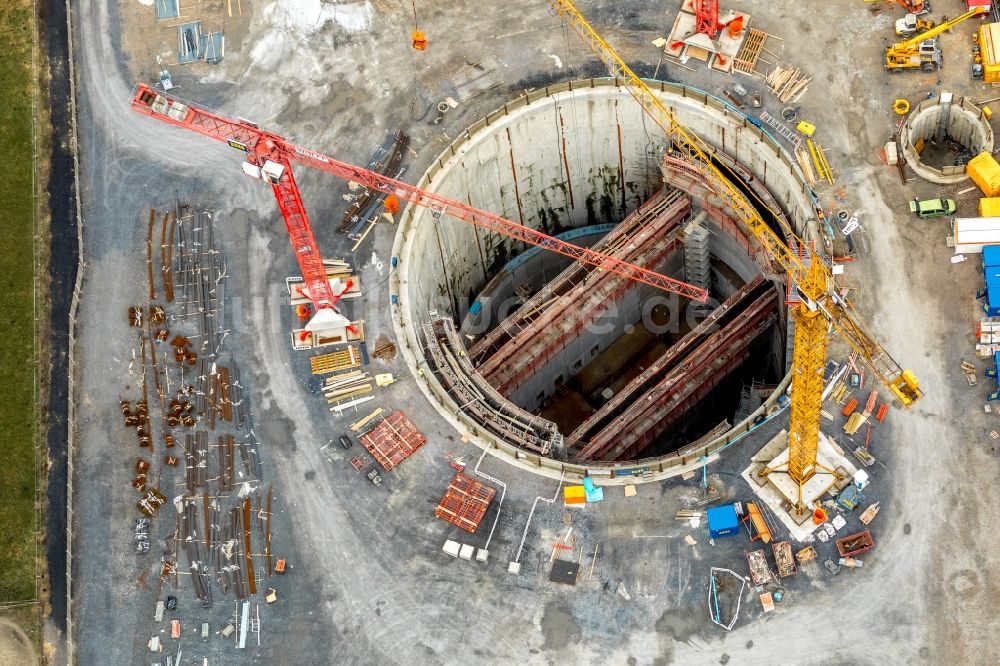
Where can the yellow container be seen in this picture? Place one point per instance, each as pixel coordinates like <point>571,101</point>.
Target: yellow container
<point>987,113</point>
<point>806,128</point>
<point>989,207</point>
<point>989,51</point>
<point>985,172</point>
<point>574,495</point>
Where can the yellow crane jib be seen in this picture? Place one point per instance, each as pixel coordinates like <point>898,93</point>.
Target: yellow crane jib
<point>819,307</point>
<point>923,50</point>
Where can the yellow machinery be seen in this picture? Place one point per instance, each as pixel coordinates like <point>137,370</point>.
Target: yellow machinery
<point>820,305</point>
<point>988,40</point>
<point>923,50</point>
<point>910,24</point>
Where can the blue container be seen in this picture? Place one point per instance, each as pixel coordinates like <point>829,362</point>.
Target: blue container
<point>722,521</point>
<point>991,256</point>
<point>993,292</point>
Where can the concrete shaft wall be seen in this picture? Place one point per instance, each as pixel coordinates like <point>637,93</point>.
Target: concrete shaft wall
<point>573,158</point>
<point>966,124</point>
<point>558,158</point>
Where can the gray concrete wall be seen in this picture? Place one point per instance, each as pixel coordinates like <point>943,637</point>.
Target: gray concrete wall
<point>966,124</point>
<point>443,262</point>
<point>498,298</point>
<point>564,154</point>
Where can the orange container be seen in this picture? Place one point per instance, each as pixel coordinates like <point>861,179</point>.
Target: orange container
<point>819,516</point>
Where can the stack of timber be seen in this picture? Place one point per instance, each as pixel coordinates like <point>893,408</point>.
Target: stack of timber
<point>788,85</point>
<point>346,386</point>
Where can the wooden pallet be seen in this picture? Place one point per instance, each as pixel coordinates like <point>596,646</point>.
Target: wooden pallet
<point>343,359</point>
<point>746,59</point>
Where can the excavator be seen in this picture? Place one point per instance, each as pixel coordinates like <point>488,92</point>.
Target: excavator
<point>924,50</point>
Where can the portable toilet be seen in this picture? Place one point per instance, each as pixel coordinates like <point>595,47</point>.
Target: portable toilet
<point>991,274</point>
<point>722,521</point>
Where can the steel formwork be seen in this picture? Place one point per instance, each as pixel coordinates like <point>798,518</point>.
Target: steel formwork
<point>465,502</point>
<point>700,369</point>
<point>568,316</point>
<point>393,440</point>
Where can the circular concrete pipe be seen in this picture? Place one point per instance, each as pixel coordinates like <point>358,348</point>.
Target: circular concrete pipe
<point>942,134</point>
<point>558,159</point>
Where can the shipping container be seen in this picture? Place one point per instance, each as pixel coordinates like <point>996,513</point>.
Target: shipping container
<point>989,49</point>
<point>985,172</point>
<point>971,234</point>
<point>989,207</point>
<point>991,256</point>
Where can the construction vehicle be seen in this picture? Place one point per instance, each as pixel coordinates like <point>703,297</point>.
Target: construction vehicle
<point>924,50</point>
<point>917,7</point>
<point>819,306</point>
<point>911,23</point>
<point>269,157</point>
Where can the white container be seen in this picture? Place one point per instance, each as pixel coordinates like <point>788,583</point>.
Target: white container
<point>466,552</point>
<point>451,548</point>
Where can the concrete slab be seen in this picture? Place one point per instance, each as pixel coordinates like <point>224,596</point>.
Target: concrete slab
<point>779,492</point>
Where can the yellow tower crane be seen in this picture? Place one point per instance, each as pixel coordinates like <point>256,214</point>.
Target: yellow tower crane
<point>820,306</point>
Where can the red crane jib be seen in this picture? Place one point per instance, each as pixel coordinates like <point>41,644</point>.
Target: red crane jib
<point>268,151</point>
<point>706,16</point>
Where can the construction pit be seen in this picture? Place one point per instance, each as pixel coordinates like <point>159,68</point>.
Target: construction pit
<point>507,527</point>
<point>548,360</point>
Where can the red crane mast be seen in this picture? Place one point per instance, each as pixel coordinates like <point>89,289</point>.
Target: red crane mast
<point>269,157</point>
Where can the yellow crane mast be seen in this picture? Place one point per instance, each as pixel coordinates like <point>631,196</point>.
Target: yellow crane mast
<point>820,306</point>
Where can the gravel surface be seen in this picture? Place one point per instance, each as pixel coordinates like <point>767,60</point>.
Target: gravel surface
<point>369,583</point>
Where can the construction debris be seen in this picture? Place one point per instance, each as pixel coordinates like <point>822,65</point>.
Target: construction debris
<point>384,348</point>
<point>787,84</point>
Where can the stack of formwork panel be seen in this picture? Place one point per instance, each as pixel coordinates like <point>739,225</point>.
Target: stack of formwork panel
<point>479,400</point>
<point>465,502</point>
<point>393,440</point>
<point>545,337</point>
<point>575,273</point>
<point>721,347</point>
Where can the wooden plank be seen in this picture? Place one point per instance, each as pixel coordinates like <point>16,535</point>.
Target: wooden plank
<point>759,524</point>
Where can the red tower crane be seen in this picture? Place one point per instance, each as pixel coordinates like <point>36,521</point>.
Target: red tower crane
<point>706,14</point>
<point>269,157</point>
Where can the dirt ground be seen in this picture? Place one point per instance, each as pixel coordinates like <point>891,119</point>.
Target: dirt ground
<point>369,583</point>
<point>15,646</point>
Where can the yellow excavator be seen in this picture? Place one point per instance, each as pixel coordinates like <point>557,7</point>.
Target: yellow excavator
<point>923,50</point>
